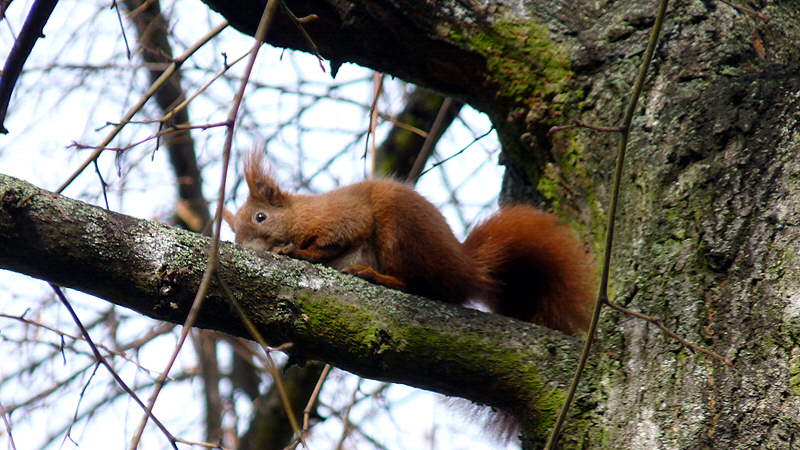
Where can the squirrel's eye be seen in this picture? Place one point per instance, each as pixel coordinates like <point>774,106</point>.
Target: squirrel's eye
<point>260,217</point>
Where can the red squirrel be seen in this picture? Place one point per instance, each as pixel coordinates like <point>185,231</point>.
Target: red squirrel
<point>520,262</point>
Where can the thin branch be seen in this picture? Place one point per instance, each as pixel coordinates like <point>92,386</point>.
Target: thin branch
<point>155,86</point>
<point>30,33</point>
<point>358,429</point>
<point>103,184</point>
<point>430,140</point>
<point>742,9</point>
<point>439,163</point>
<point>4,4</point>
<point>43,394</point>
<point>213,254</point>
<point>109,398</point>
<point>657,322</point>
<point>373,115</point>
<point>340,414</point>
<point>63,334</point>
<point>101,360</point>
<point>115,7</point>
<point>176,129</point>
<point>105,402</point>
<point>298,22</point>
<point>7,422</point>
<point>266,359</point>
<point>346,425</point>
<point>68,434</point>
<point>202,89</point>
<point>602,295</point>
<point>310,405</point>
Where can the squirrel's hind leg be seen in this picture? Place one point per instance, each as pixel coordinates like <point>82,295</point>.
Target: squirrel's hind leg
<point>372,275</point>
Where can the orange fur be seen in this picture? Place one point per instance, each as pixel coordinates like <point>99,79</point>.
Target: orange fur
<point>539,270</point>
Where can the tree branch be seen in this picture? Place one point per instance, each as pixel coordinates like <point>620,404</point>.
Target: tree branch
<point>366,329</point>
<point>31,31</point>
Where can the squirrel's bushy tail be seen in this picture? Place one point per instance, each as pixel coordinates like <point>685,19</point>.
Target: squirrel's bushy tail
<point>539,270</point>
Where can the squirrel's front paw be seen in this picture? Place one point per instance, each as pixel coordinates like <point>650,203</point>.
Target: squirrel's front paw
<point>285,249</point>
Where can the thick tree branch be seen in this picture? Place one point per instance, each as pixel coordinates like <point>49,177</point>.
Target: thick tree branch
<point>503,49</point>
<point>363,328</point>
<point>372,34</point>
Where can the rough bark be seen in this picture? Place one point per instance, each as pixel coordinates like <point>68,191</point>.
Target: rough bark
<point>708,236</point>
<point>363,328</point>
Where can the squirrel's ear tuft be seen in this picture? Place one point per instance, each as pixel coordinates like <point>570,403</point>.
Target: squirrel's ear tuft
<point>262,186</point>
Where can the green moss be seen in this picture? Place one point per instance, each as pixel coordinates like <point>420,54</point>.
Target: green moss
<point>533,82</point>
<point>794,377</point>
<point>328,315</point>
<point>549,188</point>
<point>368,331</point>
<point>527,65</point>
<point>544,401</point>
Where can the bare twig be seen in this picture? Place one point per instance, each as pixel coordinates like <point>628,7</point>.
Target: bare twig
<point>313,399</point>
<point>31,31</point>
<point>427,146</point>
<point>168,116</point>
<point>101,360</point>
<point>356,428</point>
<point>63,334</point>
<point>657,322</point>
<point>43,394</point>
<point>150,92</point>
<point>115,7</point>
<point>4,4</point>
<point>298,22</point>
<point>602,295</point>
<point>373,116</point>
<point>346,425</point>
<point>68,434</point>
<point>439,163</point>
<point>7,422</point>
<point>103,184</point>
<point>176,129</point>
<point>266,359</point>
<point>742,9</point>
<point>340,414</point>
<point>213,256</point>
<point>105,401</point>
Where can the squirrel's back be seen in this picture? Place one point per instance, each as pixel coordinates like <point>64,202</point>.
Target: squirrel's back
<point>414,242</point>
